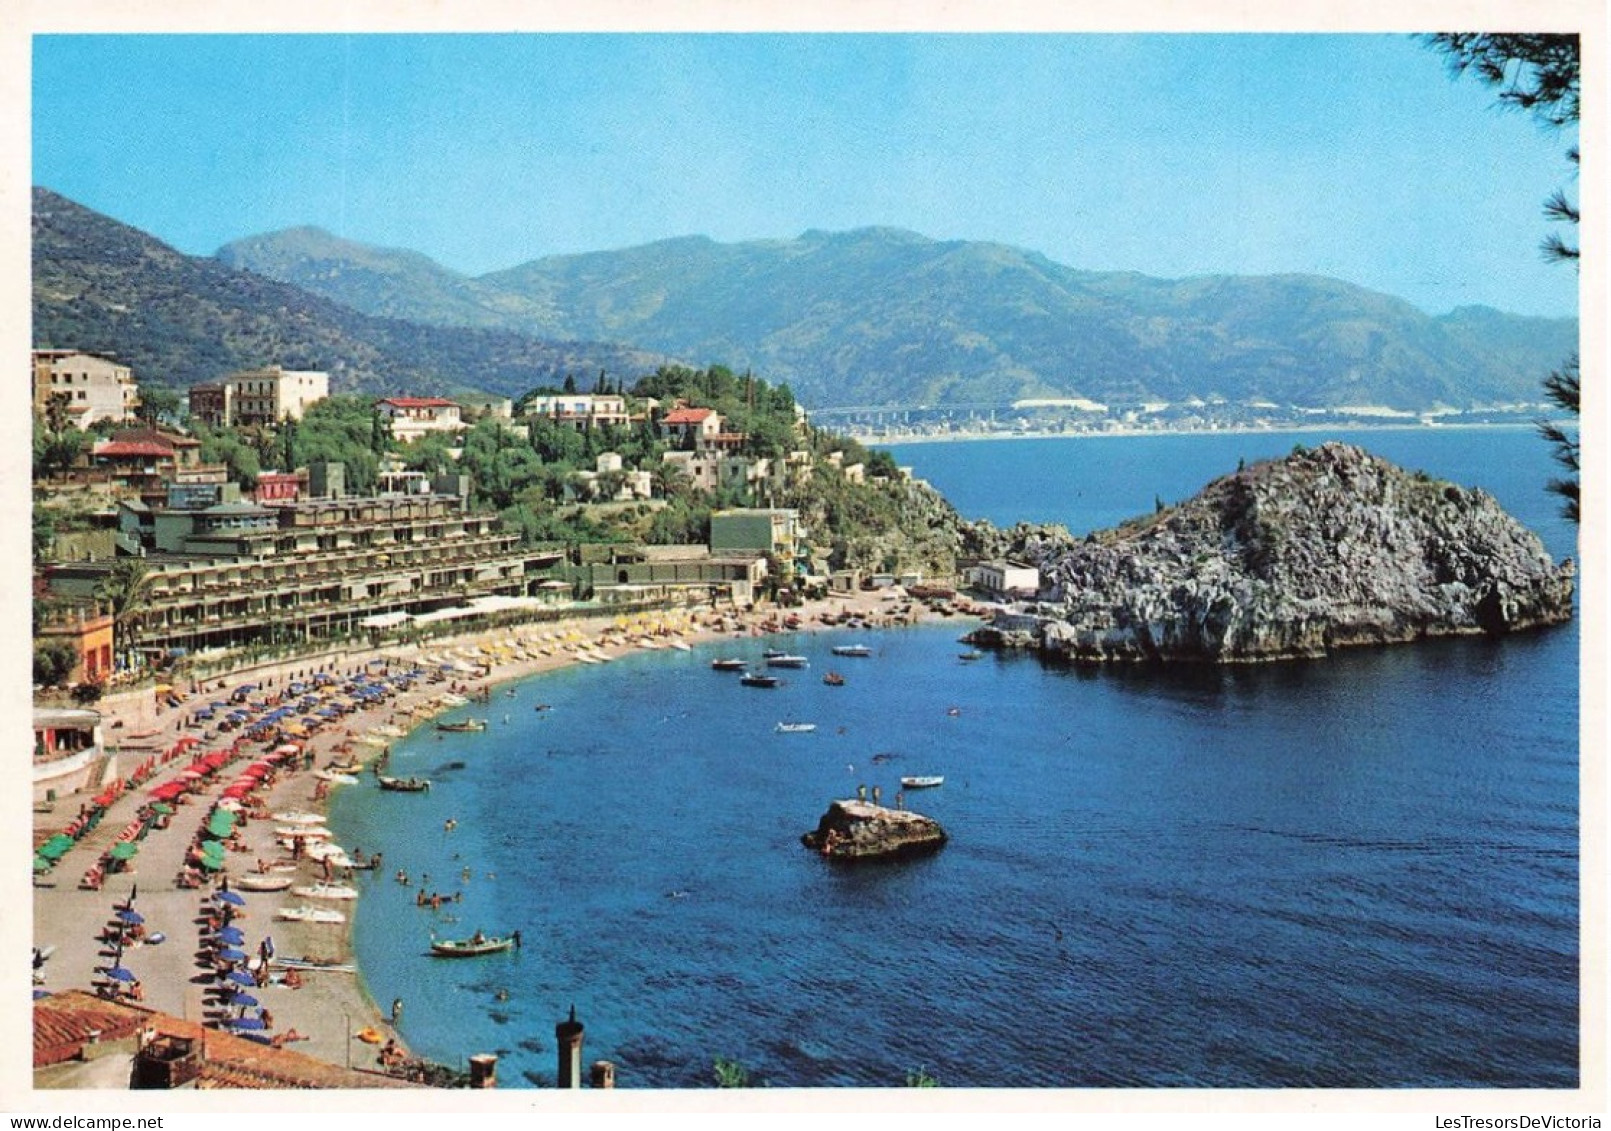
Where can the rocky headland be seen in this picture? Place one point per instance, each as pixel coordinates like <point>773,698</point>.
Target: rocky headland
<point>1326,548</point>
<point>859,830</point>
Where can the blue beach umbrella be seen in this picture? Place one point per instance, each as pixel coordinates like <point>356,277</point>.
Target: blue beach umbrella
<point>131,916</point>
<point>242,999</point>
<point>229,897</point>
<point>230,954</point>
<point>121,974</point>
<point>240,978</point>
<point>245,1023</point>
<point>230,935</point>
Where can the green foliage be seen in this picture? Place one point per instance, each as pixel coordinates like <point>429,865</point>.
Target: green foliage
<point>53,662</point>
<point>920,1078</point>
<point>731,1074</point>
<point>160,405</point>
<point>88,694</point>
<point>228,447</point>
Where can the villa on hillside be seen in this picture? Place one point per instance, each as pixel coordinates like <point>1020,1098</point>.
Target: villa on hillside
<point>413,417</point>
<point>581,411</point>
<point>258,396</point>
<point>89,388</point>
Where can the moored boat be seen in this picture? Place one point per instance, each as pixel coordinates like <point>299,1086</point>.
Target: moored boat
<point>860,650</point>
<point>757,679</point>
<point>969,655</point>
<point>796,728</point>
<point>476,944</point>
<point>334,778</point>
<point>403,785</point>
<point>922,782</point>
<point>787,661</point>
<point>834,679</point>
<point>729,664</point>
<point>465,726</point>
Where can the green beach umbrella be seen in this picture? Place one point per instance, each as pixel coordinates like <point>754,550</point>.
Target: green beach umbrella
<point>124,849</point>
<point>221,824</point>
<point>41,864</point>
<point>212,848</point>
<point>54,849</point>
<point>211,863</point>
<point>162,807</point>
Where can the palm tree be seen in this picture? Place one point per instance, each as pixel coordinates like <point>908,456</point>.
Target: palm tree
<point>127,589</point>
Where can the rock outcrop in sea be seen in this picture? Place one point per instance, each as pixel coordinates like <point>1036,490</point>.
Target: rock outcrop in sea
<point>858,830</point>
<point>1324,549</point>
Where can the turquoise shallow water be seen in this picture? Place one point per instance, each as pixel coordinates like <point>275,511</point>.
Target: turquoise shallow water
<point>1358,873</point>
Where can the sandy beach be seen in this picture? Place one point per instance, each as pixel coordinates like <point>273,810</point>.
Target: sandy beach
<point>320,1012</point>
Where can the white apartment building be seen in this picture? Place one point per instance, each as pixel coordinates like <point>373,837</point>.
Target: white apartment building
<point>93,388</point>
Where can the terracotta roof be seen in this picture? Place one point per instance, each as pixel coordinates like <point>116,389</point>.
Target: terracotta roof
<point>63,1022</point>
<point>687,415</point>
<point>132,448</point>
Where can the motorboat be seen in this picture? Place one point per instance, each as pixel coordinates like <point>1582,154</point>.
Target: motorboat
<point>796,728</point>
<point>403,785</point>
<point>922,782</point>
<point>326,891</point>
<point>334,778</point>
<point>859,650</point>
<point>758,679</point>
<point>969,655</point>
<point>729,664</point>
<point>834,679</point>
<point>785,660</point>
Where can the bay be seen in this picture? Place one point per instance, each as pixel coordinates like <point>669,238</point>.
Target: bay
<point>1355,873</point>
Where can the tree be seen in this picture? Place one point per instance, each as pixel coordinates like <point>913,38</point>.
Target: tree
<point>54,661</point>
<point>126,588</point>
<point>158,404</point>
<point>1538,74</point>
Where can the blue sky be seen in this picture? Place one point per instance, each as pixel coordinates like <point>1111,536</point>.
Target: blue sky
<point>1355,156</point>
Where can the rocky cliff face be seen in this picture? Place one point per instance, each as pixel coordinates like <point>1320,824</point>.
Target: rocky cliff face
<point>857,830</point>
<point>1295,557</point>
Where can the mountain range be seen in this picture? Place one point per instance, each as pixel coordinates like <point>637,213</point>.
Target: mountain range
<point>874,316</point>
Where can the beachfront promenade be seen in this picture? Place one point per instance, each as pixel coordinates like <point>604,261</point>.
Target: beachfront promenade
<point>329,1008</point>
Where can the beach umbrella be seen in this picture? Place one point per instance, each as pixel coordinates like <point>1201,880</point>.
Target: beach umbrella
<point>242,999</point>
<point>231,935</point>
<point>230,954</point>
<point>221,823</point>
<point>131,916</point>
<point>240,978</point>
<point>41,993</point>
<point>124,850</point>
<point>227,896</point>
<point>42,865</point>
<point>161,807</point>
<point>121,974</point>
<point>246,1023</point>
<point>212,863</point>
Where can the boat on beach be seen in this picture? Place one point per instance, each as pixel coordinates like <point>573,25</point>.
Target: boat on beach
<point>466,726</point>
<point>403,785</point>
<point>257,882</point>
<point>334,778</point>
<point>297,817</point>
<point>477,944</point>
<point>311,915</point>
<point>922,782</point>
<point>326,891</point>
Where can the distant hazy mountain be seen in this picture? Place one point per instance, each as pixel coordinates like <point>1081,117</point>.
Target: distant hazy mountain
<point>104,287</point>
<point>882,316</point>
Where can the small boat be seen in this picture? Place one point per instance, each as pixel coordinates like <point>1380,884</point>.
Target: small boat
<point>787,661</point>
<point>834,679</point>
<point>465,727</point>
<point>757,679</point>
<point>296,817</point>
<point>403,785</point>
<point>728,665</point>
<point>772,653</point>
<point>922,782</point>
<point>970,655</point>
<point>311,915</point>
<point>796,728</point>
<point>312,964</point>
<point>450,699</point>
<point>860,650</point>
<point>470,947</point>
<point>304,832</point>
<point>682,645</point>
<point>326,891</point>
<point>334,778</point>
<point>345,767</point>
<point>255,882</point>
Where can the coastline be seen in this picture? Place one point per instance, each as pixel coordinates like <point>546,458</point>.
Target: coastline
<point>327,1011</point>
<point>993,435</point>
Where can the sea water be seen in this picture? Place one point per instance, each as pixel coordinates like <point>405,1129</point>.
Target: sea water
<point>1361,872</point>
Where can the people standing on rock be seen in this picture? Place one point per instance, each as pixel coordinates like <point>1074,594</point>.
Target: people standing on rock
<point>875,795</point>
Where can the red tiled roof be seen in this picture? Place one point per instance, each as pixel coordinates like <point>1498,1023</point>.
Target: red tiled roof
<point>64,1022</point>
<point>132,449</point>
<point>687,415</point>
